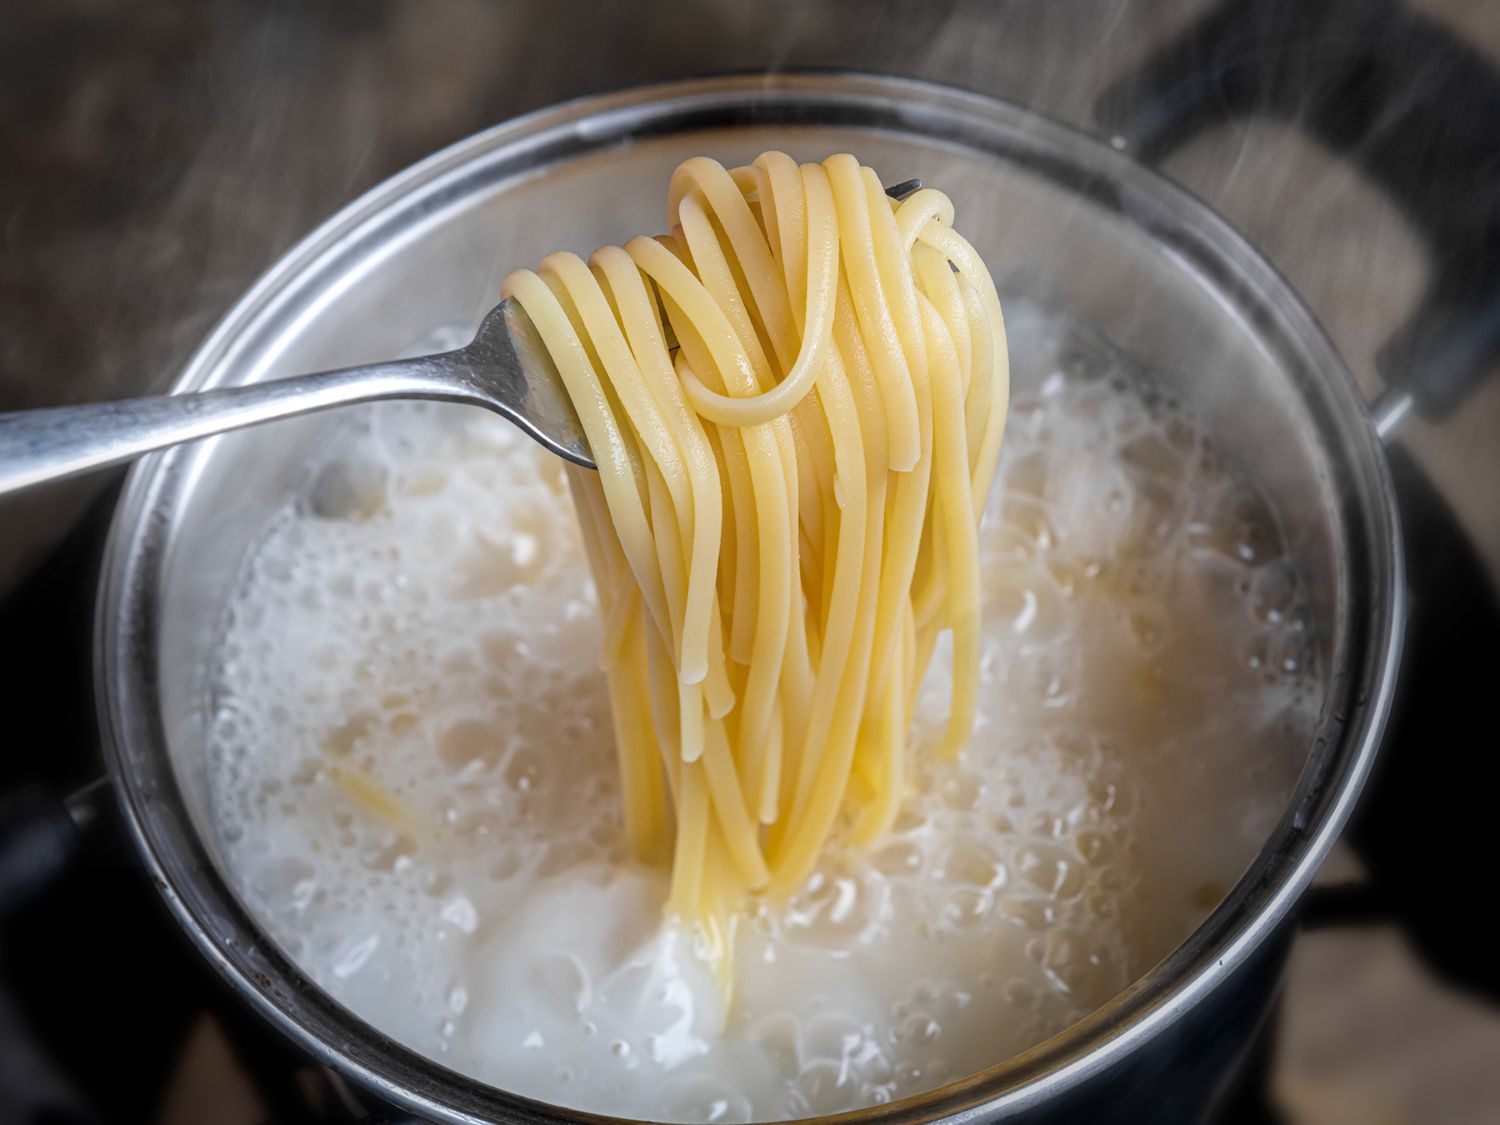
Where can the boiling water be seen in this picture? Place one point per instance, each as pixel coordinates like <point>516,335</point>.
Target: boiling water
<point>414,784</point>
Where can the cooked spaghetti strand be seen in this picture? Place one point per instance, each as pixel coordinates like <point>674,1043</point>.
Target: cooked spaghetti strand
<point>785,514</point>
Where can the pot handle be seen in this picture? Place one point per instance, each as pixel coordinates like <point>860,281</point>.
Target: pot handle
<point>40,836</point>
<point>1397,94</point>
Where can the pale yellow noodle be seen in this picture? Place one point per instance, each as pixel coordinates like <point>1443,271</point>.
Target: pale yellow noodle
<point>784,520</point>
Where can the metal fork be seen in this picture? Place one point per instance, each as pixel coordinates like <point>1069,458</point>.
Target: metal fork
<point>505,368</point>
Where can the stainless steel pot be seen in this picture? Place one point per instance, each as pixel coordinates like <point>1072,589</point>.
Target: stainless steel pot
<point>1064,218</point>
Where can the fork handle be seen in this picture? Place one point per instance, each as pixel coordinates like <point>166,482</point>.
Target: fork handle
<point>37,446</point>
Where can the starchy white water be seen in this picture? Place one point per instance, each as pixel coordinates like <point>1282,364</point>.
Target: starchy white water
<point>413,774</point>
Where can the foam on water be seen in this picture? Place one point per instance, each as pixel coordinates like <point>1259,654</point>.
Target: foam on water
<point>414,783</point>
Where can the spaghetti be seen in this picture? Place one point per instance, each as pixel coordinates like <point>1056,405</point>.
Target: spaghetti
<point>785,514</point>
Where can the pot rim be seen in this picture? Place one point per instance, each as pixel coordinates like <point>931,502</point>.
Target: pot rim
<point>1361,683</point>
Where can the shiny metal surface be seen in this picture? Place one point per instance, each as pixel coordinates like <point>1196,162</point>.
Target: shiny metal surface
<point>1060,218</point>
<point>1390,411</point>
<point>505,369</point>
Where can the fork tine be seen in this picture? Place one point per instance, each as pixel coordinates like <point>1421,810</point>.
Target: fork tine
<point>900,191</point>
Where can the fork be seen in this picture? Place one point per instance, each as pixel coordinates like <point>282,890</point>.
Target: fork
<point>505,368</point>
